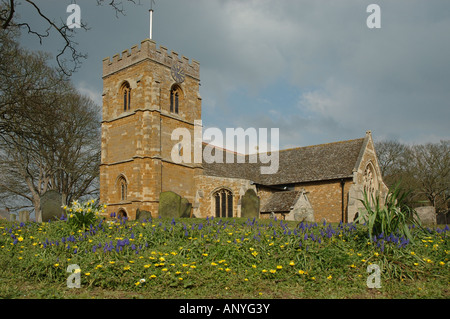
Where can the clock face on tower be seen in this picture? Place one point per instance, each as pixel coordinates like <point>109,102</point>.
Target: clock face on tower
<point>177,73</point>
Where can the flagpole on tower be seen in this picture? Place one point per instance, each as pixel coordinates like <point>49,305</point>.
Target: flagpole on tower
<point>152,2</point>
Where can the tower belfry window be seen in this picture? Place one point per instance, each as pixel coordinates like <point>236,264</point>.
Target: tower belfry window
<point>175,99</point>
<point>126,93</point>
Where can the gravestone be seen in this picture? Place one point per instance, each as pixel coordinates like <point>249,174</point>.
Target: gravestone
<point>143,215</point>
<point>51,206</point>
<point>427,214</point>
<point>172,205</point>
<point>250,204</point>
<point>24,216</point>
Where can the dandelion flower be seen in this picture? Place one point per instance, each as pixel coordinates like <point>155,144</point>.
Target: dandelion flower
<point>20,238</point>
<point>292,263</point>
<point>273,271</point>
<point>126,268</point>
<point>87,274</point>
<point>279,267</point>
<point>330,277</point>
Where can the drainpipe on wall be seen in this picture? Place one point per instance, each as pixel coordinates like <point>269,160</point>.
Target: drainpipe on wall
<point>342,201</point>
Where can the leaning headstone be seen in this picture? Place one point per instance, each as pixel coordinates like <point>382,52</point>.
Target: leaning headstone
<point>185,208</point>
<point>172,205</point>
<point>24,216</point>
<point>427,214</point>
<point>51,206</point>
<point>250,204</point>
<point>143,215</point>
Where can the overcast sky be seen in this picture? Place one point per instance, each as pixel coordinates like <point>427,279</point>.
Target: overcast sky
<point>311,68</point>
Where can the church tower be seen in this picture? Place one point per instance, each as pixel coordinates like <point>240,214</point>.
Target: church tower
<point>147,93</point>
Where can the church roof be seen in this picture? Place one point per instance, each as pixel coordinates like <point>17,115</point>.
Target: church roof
<point>297,165</point>
<point>280,202</point>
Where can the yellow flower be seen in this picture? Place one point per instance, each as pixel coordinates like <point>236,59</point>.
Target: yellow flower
<point>180,278</point>
<point>329,277</point>
<point>88,274</point>
<point>56,265</point>
<point>152,276</point>
<point>273,271</point>
<point>279,267</point>
<point>164,269</point>
<point>413,253</point>
<point>292,263</point>
<point>441,263</point>
<point>112,262</point>
<point>213,264</point>
<point>264,270</point>
<point>301,272</point>
<point>126,268</point>
<point>147,266</point>
<point>137,283</point>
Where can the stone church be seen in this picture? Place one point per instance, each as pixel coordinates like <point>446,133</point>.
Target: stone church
<point>148,92</point>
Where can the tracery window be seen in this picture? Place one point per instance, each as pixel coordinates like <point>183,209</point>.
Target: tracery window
<point>123,188</point>
<point>223,203</point>
<point>175,99</point>
<point>125,91</point>
<point>370,182</point>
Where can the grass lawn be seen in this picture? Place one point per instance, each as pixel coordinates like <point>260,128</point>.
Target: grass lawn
<point>219,259</point>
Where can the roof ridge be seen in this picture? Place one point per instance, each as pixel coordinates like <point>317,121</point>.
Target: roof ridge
<point>321,145</point>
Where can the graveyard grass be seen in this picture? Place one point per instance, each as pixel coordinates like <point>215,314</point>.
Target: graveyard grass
<point>219,258</point>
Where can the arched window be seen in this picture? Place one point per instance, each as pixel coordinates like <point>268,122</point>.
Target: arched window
<point>370,183</point>
<point>122,188</point>
<point>176,96</point>
<point>125,91</point>
<point>223,203</point>
<point>122,214</point>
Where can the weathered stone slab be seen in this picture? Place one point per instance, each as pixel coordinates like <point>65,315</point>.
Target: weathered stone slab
<point>51,206</point>
<point>143,215</point>
<point>427,214</point>
<point>172,205</point>
<point>250,204</point>
<point>24,216</point>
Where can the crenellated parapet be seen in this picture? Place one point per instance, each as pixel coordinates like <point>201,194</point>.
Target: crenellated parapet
<point>148,50</point>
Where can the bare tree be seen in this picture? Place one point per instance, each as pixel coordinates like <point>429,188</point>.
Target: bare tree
<point>430,167</point>
<point>10,20</point>
<point>51,134</point>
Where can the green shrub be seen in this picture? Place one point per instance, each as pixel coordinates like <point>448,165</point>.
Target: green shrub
<point>392,216</point>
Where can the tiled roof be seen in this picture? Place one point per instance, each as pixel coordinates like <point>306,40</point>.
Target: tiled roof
<point>280,202</point>
<point>297,165</point>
